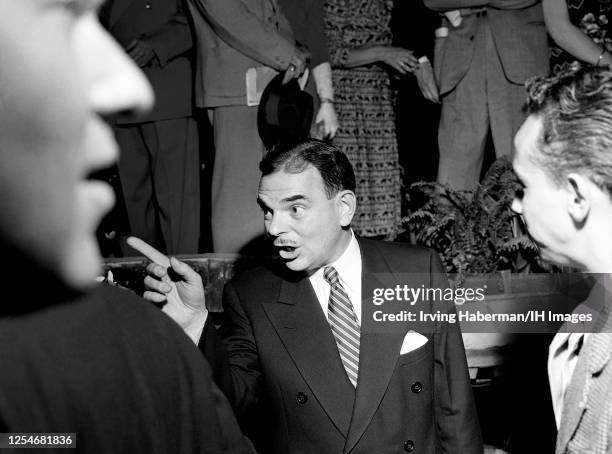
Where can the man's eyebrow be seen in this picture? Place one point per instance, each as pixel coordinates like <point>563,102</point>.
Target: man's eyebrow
<point>83,5</point>
<point>295,198</point>
<point>261,203</point>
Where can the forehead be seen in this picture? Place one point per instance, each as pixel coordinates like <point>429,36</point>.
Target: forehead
<point>525,143</point>
<point>32,5</point>
<point>281,184</point>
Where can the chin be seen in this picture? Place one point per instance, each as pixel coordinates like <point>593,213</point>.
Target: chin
<point>295,265</point>
<point>82,264</point>
<point>557,259</point>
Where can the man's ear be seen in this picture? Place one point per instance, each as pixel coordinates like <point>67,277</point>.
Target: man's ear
<point>579,197</point>
<point>347,204</point>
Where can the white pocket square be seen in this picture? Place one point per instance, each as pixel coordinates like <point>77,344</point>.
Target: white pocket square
<point>412,341</point>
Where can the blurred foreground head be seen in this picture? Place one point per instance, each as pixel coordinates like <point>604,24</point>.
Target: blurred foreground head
<point>60,75</point>
<point>564,160</point>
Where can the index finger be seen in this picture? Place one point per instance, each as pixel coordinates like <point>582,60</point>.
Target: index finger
<point>148,251</point>
<point>131,45</point>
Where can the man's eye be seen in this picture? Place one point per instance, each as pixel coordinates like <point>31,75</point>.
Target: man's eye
<point>297,210</point>
<point>76,7</point>
<point>267,214</point>
<point>519,192</point>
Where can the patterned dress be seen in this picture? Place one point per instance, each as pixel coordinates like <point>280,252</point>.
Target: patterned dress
<point>592,18</point>
<point>364,104</point>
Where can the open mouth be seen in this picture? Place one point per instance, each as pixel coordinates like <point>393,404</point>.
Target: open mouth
<point>287,252</point>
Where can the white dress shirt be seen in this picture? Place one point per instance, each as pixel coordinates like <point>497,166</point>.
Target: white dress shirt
<point>348,267</point>
<point>562,358</point>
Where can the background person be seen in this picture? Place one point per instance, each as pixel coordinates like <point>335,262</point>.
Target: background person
<point>580,30</point>
<point>564,162</point>
<point>360,46</point>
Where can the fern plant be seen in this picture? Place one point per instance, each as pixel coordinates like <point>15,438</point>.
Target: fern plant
<point>474,231</point>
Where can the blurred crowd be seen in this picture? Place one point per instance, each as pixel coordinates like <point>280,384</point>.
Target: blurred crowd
<point>427,90</point>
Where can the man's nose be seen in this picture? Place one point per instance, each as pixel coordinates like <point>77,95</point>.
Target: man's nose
<point>276,225</point>
<point>116,85</point>
<point>517,206</point>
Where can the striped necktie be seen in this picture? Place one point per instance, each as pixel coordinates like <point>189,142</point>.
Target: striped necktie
<point>344,324</point>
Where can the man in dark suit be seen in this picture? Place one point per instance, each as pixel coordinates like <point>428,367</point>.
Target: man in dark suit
<point>302,337</point>
<point>159,165</point>
<point>96,362</point>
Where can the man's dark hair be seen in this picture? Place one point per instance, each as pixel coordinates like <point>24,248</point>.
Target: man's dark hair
<point>332,164</point>
<point>575,107</point>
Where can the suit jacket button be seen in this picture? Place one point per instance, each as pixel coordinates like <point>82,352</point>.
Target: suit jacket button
<point>416,387</point>
<point>302,398</point>
<point>148,6</point>
<point>472,38</point>
<point>409,446</point>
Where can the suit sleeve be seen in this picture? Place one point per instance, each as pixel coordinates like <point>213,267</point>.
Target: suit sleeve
<point>173,39</point>
<point>233,355</point>
<point>456,418</point>
<point>306,20</point>
<point>241,29</point>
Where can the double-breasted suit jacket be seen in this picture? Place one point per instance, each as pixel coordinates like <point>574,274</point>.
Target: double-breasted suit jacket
<point>281,350</point>
<point>586,421</point>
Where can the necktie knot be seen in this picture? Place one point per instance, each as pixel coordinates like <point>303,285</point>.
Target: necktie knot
<point>331,275</point>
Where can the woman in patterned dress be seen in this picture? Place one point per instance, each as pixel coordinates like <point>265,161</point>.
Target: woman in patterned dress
<point>580,30</point>
<point>359,41</point>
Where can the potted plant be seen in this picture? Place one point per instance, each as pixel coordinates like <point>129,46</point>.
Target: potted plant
<point>474,232</point>
<point>483,244</point>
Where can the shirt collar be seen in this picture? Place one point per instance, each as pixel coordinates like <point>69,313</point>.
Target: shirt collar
<point>348,265</point>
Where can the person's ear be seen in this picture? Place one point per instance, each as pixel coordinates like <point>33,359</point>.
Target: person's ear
<point>346,204</point>
<point>579,197</point>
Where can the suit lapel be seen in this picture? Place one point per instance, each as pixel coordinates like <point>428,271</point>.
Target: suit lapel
<point>592,360</point>
<point>378,351</point>
<point>305,334</point>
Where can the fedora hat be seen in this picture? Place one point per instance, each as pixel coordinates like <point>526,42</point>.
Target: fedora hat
<point>285,113</point>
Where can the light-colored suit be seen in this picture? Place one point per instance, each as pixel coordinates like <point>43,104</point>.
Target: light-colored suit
<point>586,421</point>
<point>482,68</point>
<point>233,36</point>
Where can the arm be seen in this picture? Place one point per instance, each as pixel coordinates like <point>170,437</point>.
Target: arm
<point>449,5</point>
<point>235,364</point>
<point>241,356</point>
<point>326,120</point>
<point>306,20</point>
<point>247,33</point>
<point>344,56</point>
<point>454,403</point>
<point>173,39</point>
<point>569,37</point>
